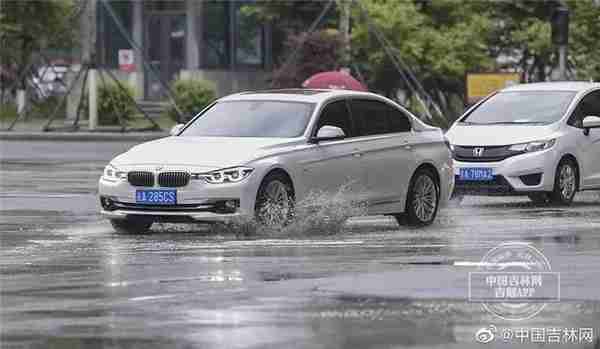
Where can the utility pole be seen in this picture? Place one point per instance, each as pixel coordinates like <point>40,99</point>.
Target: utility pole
<point>344,6</point>
<point>88,57</point>
<point>560,36</point>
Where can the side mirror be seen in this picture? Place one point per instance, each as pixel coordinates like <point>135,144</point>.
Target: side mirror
<point>328,133</point>
<point>590,122</point>
<point>176,129</point>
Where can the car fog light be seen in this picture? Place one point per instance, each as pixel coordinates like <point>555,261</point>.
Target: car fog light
<point>106,203</point>
<point>231,204</point>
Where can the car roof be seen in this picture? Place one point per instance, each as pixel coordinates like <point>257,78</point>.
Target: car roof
<point>574,86</point>
<point>297,95</point>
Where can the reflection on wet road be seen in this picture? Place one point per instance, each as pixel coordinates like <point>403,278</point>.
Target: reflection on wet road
<point>68,281</point>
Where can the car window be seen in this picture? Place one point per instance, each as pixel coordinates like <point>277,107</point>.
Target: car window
<point>336,114</point>
<point>521,107</point>
<point>588,106</point>
<point>399,121</point>
<point>258,118</point>
<point>371,117</point>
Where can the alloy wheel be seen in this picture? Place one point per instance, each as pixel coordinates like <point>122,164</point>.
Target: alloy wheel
<point>567,181</point>
<point>275,204</point>
<point>425,198</point>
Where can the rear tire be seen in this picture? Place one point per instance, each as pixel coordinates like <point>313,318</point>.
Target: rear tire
<point>422,201</point>
<point>275,201</point>
<point>565,183</point>
<point>129,226</point>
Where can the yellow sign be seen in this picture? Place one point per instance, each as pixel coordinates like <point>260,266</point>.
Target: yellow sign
<point>482,84</point>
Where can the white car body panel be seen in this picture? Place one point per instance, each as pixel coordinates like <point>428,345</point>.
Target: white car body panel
<point>379,168</point>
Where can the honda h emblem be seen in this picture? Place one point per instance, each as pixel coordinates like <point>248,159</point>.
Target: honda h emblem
<point>478,152</point>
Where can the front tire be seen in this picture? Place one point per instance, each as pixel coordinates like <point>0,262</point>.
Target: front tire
<point>129,226</point>
<point>422,201</point>
<point>565,183</point>
<point>275,201</point>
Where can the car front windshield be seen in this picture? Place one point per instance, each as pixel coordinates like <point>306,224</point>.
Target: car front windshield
<point>257,118</point>
<point>521,107</point>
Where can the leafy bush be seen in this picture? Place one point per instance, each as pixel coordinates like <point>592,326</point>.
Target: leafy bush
<point>115,102</point>
<point>8,111</point>
<point>45,107</point>
<point>191,96</point>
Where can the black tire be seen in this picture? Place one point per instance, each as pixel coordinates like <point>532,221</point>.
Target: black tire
<point>413,216</point>
<point>129,226</point>
<point>539,198</point>
<point>560,195</point>
<point>281,212</point>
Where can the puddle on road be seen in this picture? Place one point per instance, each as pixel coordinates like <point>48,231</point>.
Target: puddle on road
<point>319,213</point>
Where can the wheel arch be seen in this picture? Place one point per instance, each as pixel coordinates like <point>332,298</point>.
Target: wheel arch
<point>427,166</point>
<point>422,166</point>
<point>283,172</point>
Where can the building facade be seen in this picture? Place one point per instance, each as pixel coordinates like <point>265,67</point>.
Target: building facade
<point>221,41</point>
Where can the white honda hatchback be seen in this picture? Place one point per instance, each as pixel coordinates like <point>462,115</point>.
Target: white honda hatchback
<point>540,140</point>
<point>256,153</point>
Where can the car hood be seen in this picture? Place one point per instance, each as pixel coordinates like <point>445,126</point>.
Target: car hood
<point>493,135</point>
<point>208,153</point>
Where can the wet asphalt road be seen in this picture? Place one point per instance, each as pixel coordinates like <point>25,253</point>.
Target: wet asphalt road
<point>68,281</point>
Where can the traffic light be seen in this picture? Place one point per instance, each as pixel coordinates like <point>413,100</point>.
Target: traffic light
<point>560,26</point>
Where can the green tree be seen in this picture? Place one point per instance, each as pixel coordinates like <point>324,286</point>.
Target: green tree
<point>318,52</point>
<point>439,40</point>
<point>442,40</point>
<point>585,39</point>
<point>522,31</point>
<point>27,27</point>
<point>290,18</point>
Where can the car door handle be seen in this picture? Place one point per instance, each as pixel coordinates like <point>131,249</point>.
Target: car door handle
<point>407,145</point>
<point>357,153</point>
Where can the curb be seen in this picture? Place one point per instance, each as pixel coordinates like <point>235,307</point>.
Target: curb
<point>82,136</point>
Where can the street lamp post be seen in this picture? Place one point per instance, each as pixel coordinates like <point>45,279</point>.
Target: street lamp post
<point>560,37</point>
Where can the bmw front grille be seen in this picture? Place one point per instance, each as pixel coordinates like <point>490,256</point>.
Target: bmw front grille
<point>173,179</point>
<point>141,178</point>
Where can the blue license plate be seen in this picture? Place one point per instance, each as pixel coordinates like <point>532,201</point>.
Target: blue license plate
<point>156,197</point>
<point>476,174</point>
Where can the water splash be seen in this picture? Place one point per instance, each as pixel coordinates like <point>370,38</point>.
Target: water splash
<point>318,213</point>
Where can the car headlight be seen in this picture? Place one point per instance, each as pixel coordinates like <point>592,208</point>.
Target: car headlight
<point>227,175</point>
<point>112,173</point>
<point>533,146</point>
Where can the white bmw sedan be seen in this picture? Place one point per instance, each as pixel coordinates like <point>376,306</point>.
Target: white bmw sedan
<point>540,140</point>
<point>257,153</point>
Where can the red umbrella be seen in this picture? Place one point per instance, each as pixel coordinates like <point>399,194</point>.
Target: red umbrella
<point>334,80</point>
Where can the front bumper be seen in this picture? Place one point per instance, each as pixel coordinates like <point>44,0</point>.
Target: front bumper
<point>198,201</point>
<point>517,175</point>
<point>171,217</point>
